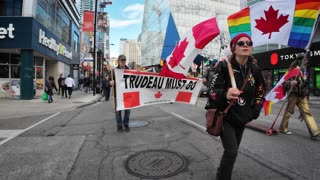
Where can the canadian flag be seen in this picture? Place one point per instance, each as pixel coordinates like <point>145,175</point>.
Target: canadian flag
<point>278,93</point>
<point>178,63</point>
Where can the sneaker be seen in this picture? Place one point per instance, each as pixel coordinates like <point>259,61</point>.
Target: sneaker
<point>287,132</point>
<point>316,137</point>
<point>120,130</point>
<point>126,127</point>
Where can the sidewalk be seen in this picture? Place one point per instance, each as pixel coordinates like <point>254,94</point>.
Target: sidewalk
<point>10,107</point>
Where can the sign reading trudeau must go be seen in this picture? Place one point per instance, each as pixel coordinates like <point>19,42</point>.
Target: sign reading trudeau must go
<point>136,89</point>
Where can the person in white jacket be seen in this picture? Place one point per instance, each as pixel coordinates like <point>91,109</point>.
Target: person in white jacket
<point>69,82</point>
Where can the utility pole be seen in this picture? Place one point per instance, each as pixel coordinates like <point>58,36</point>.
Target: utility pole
<point>94,48</point>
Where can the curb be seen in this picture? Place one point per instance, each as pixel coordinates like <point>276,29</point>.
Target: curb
<point>90,103</point>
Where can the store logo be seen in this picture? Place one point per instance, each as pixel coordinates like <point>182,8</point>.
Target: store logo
<point>52,44</point>
<point>7,31</point>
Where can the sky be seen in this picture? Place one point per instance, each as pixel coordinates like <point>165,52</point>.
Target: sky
<point>125,21</point>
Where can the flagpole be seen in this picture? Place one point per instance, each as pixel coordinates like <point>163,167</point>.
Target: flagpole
<point>305,58</point>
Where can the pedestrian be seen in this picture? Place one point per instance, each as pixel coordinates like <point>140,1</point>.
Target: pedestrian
<point>34,88</point>
<point>49,85</point>
<point>69,84</point>
<point>209,73</point>
<point>60,84</point>
<point>106,87</point>
<point>298,96</point>
<point>63,87</point>
<point>125,122</point>
<point>81,83</point>
<point>247,105</point>
<point>86,84</point>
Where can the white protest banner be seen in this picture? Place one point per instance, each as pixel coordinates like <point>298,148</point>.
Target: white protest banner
<point>135,89</point>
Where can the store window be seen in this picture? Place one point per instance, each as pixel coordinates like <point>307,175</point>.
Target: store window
<point>4,65</point>
<point>4,71</point>
<point>75,42</point>
<point>11,7</point>
<point>38,72</point>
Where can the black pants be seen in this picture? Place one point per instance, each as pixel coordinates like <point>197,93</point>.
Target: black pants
<point>231,138</point>
<point>70,89</point>
<point>64,91</point>
<point>106,93</point>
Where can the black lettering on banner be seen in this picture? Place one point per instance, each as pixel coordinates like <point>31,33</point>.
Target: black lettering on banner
<point>134,81</point>
<point>132,78</point>
<point>149,82</point>
<point>144,81</point>
<point>191,85</point>
<point>168,83</point>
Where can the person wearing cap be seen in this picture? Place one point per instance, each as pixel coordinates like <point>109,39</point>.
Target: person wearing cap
<point>209,73</point>
<point>247,104</point>
<point>125,122</point>
<point>297,87</point>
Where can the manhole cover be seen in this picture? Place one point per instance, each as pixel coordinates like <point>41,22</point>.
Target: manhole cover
<point>155,164</point>
<point>138,123</point>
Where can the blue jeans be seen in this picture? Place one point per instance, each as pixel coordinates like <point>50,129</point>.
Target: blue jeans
<point>50,99</point>
<point>86,89</point>
<point>125,120</point>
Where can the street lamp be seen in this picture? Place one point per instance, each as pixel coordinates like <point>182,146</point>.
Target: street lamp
<point>102,4</point>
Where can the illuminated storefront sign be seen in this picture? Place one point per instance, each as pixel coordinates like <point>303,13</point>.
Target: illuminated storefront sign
<point>52,44</point>
<point>7,31</point>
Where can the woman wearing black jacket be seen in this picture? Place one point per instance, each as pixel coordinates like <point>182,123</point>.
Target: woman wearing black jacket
<point>50,84</point>
<point>247,105</point>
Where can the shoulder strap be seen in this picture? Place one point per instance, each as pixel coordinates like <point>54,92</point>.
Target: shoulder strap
<point>234,85</point>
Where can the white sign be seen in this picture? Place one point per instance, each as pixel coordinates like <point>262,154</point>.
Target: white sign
<point>7,31</point>
<point>52,44</point>
<point>136,89</point>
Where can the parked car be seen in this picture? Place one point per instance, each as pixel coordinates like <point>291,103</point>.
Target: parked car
<point>204,91</point>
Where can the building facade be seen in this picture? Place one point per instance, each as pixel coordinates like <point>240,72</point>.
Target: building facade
<point>87,13</point>
<point>186,14</point>
<point>132,50</point>
<point>41,38</point>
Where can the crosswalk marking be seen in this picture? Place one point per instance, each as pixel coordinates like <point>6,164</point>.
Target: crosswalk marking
<point>16,133</point>
<point>9,133</point>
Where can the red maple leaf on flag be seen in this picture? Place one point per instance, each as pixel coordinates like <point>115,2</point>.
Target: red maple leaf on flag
<point>158,95</point>
<point>279,91</point>
<point>178,53</point>
<point>272,23</point>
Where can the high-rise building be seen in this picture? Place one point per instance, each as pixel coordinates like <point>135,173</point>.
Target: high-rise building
<point>132,50</point>
<point>185,14</point>
<point>40,38</point>
<point>85,5</point>
<point>103,26</point>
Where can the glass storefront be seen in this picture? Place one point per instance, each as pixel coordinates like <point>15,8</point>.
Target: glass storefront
<point>10,73</point>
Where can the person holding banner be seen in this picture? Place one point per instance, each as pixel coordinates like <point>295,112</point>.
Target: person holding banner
<point>298,89</point>
<point>247,103</point>
<point>125,122</point>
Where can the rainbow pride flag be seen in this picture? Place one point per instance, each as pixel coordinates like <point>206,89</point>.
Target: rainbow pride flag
<point>297,19</point>
<point>240,23</point>
<point>305,14</point>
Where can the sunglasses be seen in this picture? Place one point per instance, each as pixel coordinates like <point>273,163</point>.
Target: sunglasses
<point>241,43</point>
<point>122,59</point>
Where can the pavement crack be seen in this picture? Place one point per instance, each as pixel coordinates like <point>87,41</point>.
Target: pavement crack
<point>270,165</point>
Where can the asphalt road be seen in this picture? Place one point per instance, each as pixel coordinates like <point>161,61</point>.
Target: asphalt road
<point>83,144</point>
